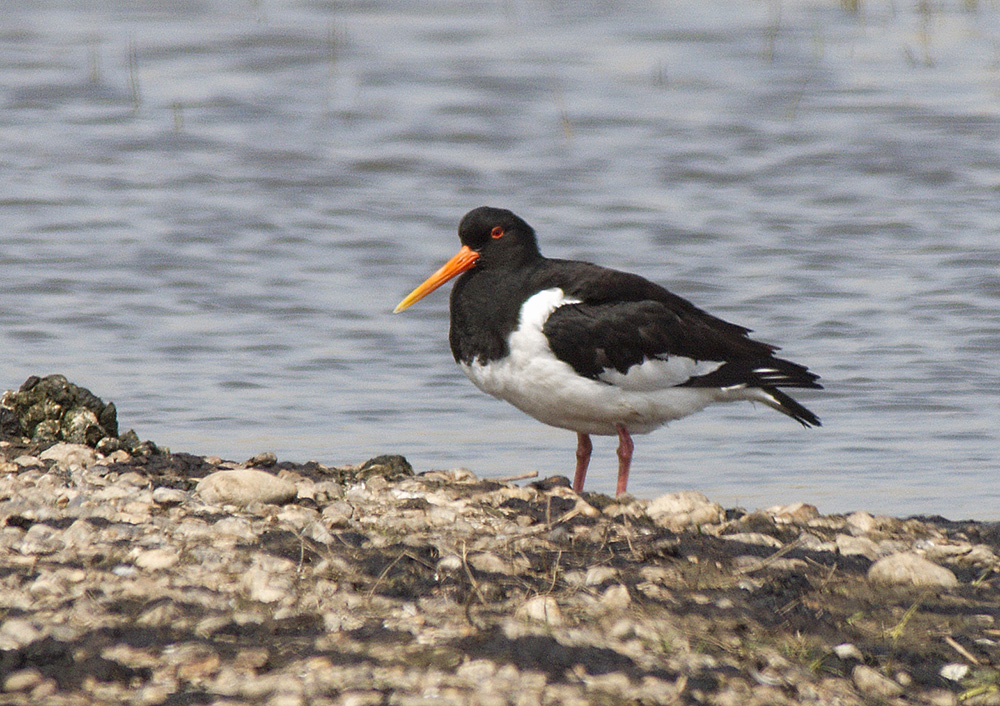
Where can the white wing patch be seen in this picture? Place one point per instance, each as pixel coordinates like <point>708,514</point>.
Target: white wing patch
<point>528,338</point>
<point>659,373</point>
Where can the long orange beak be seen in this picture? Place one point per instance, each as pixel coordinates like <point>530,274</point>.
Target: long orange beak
<point>464,260</point>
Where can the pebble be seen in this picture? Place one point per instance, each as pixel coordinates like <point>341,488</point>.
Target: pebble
<point>317,533</point>
<point>156,559</point>
<point>66,455</point>
<point>489,563</point>
<point>297,516</point>
<point>940,697</point>
<point>688,508</point>
<point>597,575</point>
<point>954,671</point>
<point>808,540</point>
<point>909,569</point>
<point>269,584</point>
<point>235,527</point>
<point>448,564</point>
<point>169,496</point>
<point>980,554</point>
<point>543,609</point>
<point>245,486</point>
<point>17,632</point>
<point>266,459</point>
<point>872,683</point>
<point>857,546</point>
<point>847,651</point>
<point>40,539</point>
<point>23,679</point>
<point>937,550</point>
<point>337,514</point>
<point>615,598</point>
<point>861,522</point>
<point>797,513</point>
<point>764,540</point>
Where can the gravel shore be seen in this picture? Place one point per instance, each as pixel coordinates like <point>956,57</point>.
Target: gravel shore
<point>133,575</point>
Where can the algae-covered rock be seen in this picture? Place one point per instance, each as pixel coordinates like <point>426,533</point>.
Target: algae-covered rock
<point>51,409</point>
<point>390,467</point>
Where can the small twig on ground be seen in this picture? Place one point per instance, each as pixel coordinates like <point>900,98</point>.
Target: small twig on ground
<point>385,571</point>
<point>961,650</point>
<point>766,561</point>
<point>519,476</point>
<point>475,590</point>
<point>468,572</point>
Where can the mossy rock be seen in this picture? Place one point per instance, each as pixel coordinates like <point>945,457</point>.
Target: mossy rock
<point>51,409</point>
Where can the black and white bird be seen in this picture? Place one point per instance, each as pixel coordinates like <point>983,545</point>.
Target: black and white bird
<point>595,350</point>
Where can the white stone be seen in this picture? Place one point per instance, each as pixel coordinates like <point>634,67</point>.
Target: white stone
<point>688,508</point>
<point>489,562</point>
<point>616,598</point>
<point>954,671</point>
<point>758,538</point>
<point>23,680</point>
<point>317,533</point>
<point>596,575</point>
<point>908,569</point>
<point>544,609</point>
<point>66,455</point>
<point>809,541</point>
<point>40,539</point>
<point>797,512</point>
<point>980,554</point>
<point>449,564</point>
<point>846,650</point>
<point>872,683</point>
<point>298,516</point>
<point>169,496</point>
<point>857,546</point>
<point>265,585</point>
<point>861,522</point>
<point>237,527</point>
<point>337,514</point>
<point>245,486</point>
<point>156,559</point>
<point>17,632</point>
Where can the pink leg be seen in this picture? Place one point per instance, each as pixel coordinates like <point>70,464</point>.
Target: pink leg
<point>625,447</point>
<point>583,449</point>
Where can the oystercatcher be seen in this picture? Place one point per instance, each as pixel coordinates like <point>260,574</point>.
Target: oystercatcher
<point>595,350</point>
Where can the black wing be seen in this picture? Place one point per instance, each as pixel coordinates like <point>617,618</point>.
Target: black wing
<point>624,320</point>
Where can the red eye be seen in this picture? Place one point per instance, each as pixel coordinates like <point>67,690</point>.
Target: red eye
<point>497,232</point>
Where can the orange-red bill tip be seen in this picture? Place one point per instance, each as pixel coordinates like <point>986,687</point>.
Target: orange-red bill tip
<point>463,260</point>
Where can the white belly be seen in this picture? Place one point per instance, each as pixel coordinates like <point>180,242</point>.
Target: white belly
<point>536,382</point>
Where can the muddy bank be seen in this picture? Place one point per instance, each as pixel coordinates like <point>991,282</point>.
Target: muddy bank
<point>134,575</point>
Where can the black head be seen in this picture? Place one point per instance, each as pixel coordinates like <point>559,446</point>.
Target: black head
<point>492,238</point>
<point>501,238</point>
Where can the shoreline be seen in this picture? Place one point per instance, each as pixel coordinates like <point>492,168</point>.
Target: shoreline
<point>135,575</point>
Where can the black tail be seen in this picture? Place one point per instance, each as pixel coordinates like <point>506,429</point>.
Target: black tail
<point>766,373</point>
<point>786,405</point>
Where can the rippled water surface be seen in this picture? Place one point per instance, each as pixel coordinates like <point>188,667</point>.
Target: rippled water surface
<point>210,208</point>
